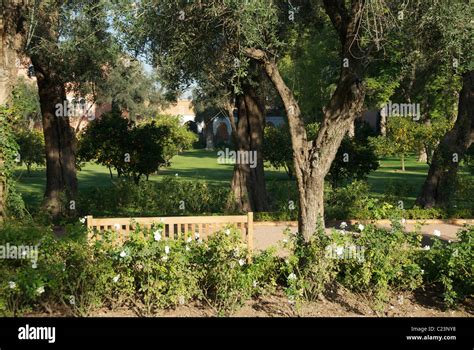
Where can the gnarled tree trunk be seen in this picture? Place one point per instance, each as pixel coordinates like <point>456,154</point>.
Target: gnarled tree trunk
<point>313,158</point>
<point>248,182</point>
<point>60,143</point>
<point>451,149</point>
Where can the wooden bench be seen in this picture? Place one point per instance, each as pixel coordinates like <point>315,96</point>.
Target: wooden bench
<point>175,226</point>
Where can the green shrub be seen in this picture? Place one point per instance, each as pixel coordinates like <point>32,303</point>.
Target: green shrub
<point>390,263</point>
<point>227,279</point>
<point>450,265</point>
<point>308,271</point>
<point>155,273</point>
<point>168,197</point>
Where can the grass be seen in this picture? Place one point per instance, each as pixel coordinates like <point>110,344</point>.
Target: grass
<point>201,165</point>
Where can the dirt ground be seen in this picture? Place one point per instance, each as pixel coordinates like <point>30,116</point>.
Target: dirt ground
<point>340,303</point>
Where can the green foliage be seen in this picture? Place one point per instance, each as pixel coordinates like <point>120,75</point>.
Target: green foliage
<point>228,280</point>
<point>15,206</point>
<point>147,273</point>
<point>126,198</point>
<point>450,265</point>
<point>355,157</point>
<point>133,149</point>
<point>25,102</point>
<point>31,143</point>
<point>388,264</point>
<point>308,271</point>
<point>400,140</point>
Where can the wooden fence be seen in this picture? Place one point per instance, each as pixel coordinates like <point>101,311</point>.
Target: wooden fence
<point>174,227</point>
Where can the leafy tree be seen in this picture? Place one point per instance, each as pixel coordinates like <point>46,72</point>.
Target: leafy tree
<point>399,140</point>
<point>70,46</point>
<point>31,143</point>
<point>447,31</point>
<point>184,40</point>
<point>133,150</point>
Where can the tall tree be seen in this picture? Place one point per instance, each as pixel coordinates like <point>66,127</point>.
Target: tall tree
<point>188,47</point>
<point>313,158</point>
<point>449,30</point>
<point>70,47</point>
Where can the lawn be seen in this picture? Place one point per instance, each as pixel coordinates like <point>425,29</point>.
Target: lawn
<point>202,165</point>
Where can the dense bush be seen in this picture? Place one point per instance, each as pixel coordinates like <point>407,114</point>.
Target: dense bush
<point>146,273</point>
<point>168,197</point>
<point>133,150</point>
<point>355,157</point>
<point>31,143</point>
<point>451,265</point>
<point>389,262</point>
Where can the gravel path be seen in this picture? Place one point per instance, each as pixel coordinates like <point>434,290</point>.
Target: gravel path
<point>269,234</point>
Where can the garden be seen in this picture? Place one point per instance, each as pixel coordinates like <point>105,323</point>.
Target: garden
<point>355,158</point>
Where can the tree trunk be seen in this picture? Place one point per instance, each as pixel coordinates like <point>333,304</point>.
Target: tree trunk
<point>248,182</point>
<point>403,162</point>
<point>313,159</point>
<point>451,150</point>
<point>60,144</point>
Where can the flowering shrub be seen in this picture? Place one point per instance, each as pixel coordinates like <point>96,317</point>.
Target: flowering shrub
<point>308,270</point>
<point>153,273</point>
<point>450,264</point>
<point>390,262</point>
<point>227,279</point>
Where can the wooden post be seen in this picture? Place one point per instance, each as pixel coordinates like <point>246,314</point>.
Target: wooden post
<point>250,234</point>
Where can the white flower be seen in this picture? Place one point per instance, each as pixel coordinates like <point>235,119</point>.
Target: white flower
<point>189,240</point>
<point>12,285</point>
<point>437,233</point>
<point>292,276</point>
<point>339,250</point>
<point>164,258</point>
<point>116,278</point>
<point>188,249</point>
<point>227,232</point>
<point>157,235</point>
<point>403,221</point>
<point>285,241</point>
<point>254,284</point>
<point>449,241</point>
<point>343,225</point>
<point>241,262</point>
<point>123,254</point>
<point>34,265</point>
<point>167,250</point>
<point>426,247</point>
<point>422,271</point>
<point>196,235</point>
<point>361,227</point>
<point>40,290</point>
<point>72,300</point>
<point>117,226</point>
<point>200,241</point>
<point>176,174</point>
<point>181,300</point>
<point>82,220</point>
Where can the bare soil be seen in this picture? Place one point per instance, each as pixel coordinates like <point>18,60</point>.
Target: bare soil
<point>342,303</point>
